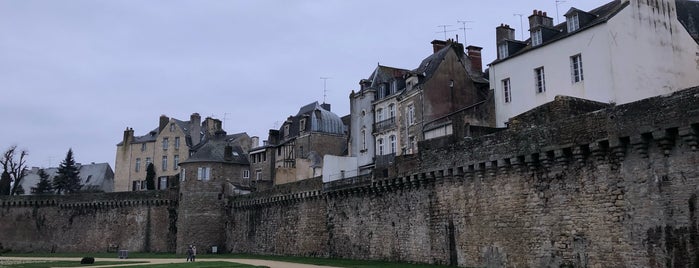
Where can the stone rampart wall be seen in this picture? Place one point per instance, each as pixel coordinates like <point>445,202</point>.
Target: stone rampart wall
<point>135,221</point>
<point>611,188</point>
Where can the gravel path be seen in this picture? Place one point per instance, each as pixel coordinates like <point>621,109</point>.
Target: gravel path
<point>271,264</point>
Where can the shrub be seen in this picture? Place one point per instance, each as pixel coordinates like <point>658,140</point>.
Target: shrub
<point>87,260</point>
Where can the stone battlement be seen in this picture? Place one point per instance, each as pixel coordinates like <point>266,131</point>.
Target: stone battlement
<point>93,200</point>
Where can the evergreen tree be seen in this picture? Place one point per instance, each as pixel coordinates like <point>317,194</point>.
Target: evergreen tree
<point>150,177</point>
<point>44,186</point>
<point>5,183</point>
<point>67,179</point>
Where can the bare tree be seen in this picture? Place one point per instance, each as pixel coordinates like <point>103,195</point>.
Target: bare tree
<point>15,168</point>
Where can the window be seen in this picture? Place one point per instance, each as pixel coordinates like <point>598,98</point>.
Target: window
<point>172,127</point>
<point>286,130</point>
<point>246,174</point>
<point>176,162</point>
<point>144,185</point>
<point>363,139</point>
<point>258,174</point>
<point>391,111</point>
<point>411,114</point>
<point>164,166</point>
<point>264,156</point>
<point>536,38</point>
<point>573,23</point>
<point>136,186</point>
<point>183,174</point>
<point>177,143</point>
<point>203,173</point>
<point>540,80</point>
<point>148,161</point>
<point>302,124</point>
<point>502,51</point>
<point>507,94</point>
<point>138,164</point>
<point>143,147</point>
<point>392,140</point>
<point>576,68</point>
<point>162,183</point>
<point>379,115</point>
<point>379,143</point>
<point>394,86</point>
<point>165,143</point>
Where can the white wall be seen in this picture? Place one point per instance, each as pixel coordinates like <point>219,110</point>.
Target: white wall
<point>334,165</point>
<point>362,102</point>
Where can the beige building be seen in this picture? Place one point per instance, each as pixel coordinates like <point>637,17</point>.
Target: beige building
<point>165,147</point>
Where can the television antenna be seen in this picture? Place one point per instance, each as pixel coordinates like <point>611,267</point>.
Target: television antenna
<point>521,26</point>
<point>557,3</point>
<point>445,31</point>
<point>325,90</point>
<point>225,115</point>
<point>463,27</point>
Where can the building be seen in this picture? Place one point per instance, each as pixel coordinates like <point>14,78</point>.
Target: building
<point>299,145</point>
<point>165,147</point>
<point>94,177</point>
<point>617,53</point>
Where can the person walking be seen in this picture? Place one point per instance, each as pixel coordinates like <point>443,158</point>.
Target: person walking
<point>194,252</point>
<point>190,253</point>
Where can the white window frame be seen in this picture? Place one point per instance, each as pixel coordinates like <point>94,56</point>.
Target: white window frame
<point>573,23</point>
<point>176,162</point>
<point>177,143</point>
<point>203,173</point>
<point>576,69</point>
<point>379,115</point>
<point>391,110</point>
<point>411,114</point>
<point>379,144</point>
<point>166,142</point>
<point>537,38</point>
<point>164,163</point>
<point>506,90</point>
<point>183,174</point>
<point>392,141</point>
<point>540,80</point>
<point>138,164</point>
<point>246,174</point>
<point>503,52</point>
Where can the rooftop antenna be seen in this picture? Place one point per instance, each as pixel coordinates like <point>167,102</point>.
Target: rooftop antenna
<point>521,26</point>
<point>225,115</point>
<point>557,3</point>
<point>463,24</point>
<point>445,31</point>
<point>325,90</point>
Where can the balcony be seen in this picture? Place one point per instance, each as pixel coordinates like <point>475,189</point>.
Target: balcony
<point>385,125</point>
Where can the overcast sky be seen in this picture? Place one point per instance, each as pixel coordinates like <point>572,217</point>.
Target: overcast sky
<point>76,73</point>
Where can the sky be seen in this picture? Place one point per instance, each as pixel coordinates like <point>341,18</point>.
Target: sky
<point>76,73</point>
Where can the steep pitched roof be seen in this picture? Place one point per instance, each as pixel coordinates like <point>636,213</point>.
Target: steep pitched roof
<point>213,150</point>
<point>429,65</point>
<point>384,74</point>
<point>688,15</point>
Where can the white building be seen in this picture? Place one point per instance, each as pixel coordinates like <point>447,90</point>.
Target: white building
<point>621,52</point>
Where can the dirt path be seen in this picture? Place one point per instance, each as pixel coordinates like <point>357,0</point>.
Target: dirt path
<point>271,264</point>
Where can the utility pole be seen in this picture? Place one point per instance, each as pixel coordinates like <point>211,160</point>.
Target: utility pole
<point>463,27</point>
<point>325,90</point>
<point>521,26</point>
<point>445,31</point>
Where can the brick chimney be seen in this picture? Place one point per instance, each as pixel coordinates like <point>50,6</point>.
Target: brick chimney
<point>128,136</point>
<point>163,122</point>
<point>474,54</point>
<point>437,45</point>
<point>539,18</point>
<point>211,126</point>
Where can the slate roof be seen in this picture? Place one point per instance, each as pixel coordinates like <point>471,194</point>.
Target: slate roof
<point>213,150</point>
<point>318,120</point>
<point>383,74</point>
<point>152,135</point>
<point>429,65</point>
<point>603,14</point>
<point>688,15</point>
<point>99,176</point>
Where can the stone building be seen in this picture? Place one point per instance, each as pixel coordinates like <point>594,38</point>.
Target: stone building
<point>165,146</point>
<point>620,52</point>
<point>217,168</point>
<point>298,147</point>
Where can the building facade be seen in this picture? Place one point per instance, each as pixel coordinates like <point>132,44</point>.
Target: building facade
<point>617,53</point>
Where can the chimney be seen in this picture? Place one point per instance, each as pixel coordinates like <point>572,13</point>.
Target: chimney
<point>437,45</point>
<point>474,54</point>
<point>504,32</point>
<point>128,136</point>
<point>195,128</point>
<point>211,126</point>
<point>325,106</point>
<point>254,142</point>
<point>364,83</point>
<point>539,18</point>
<point>228,153</point>
<point>163,122</point>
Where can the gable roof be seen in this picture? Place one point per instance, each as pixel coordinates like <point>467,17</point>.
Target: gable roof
<point>152,135</point>
<point>213,150</point>
<point>602,14</point>
<point>428,67</point>
<point>688,15</point>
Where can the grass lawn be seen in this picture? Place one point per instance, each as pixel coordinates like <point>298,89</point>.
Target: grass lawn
<point>44,264</point>
<point>211,264</point>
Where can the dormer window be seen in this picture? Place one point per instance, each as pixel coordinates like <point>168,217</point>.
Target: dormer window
<point>537,38</point>
<point>286,130</point>
<point>503,51</point>
<point>302,124</point>
<point>573,22</point>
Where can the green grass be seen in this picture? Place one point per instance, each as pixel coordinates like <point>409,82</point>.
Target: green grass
<point>45,264</point>
<point>208,264</point>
